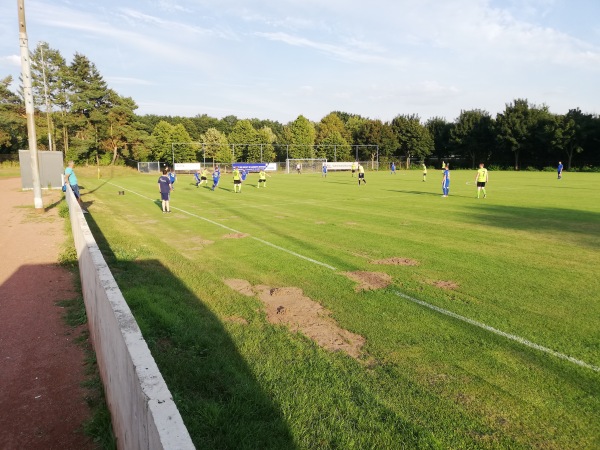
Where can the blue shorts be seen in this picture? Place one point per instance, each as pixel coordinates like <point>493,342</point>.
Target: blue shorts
<point>165,196</point>
<point>75,189</point>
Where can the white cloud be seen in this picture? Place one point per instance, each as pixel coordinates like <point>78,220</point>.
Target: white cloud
<point>11,60</point>
<point>130,81</point>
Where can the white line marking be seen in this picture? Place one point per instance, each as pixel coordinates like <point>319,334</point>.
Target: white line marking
<point>443,311</point>
<point>298,255</point>
<point>512,337</point>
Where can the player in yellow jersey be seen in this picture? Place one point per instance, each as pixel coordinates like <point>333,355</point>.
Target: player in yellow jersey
<point>354,167</point>
<point>424,172</point>
<point>262,178</point>
<point>361,174</point>
<point>481,178</point>
<point>237,181</point>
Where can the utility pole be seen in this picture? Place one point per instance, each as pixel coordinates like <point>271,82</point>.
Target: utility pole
<point>29,109</point>
<point>46,97</point>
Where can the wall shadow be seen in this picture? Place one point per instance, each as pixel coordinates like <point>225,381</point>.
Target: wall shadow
<point>221,402</point>
<point>585,224</point>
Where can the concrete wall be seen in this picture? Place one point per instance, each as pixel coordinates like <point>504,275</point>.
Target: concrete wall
<point>144,415</point>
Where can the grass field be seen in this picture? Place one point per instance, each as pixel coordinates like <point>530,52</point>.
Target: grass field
<point>525,261</point>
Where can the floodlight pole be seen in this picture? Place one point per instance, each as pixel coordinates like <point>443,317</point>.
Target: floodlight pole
<point>173,153</point>
<point>46,98</point>
<point>29,108</point>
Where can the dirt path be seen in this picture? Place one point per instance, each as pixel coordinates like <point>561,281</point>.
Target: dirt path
<point>42,404</point>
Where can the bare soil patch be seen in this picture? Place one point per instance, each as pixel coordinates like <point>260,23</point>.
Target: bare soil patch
<point>320,222</point>
<point>290,307</point>
<point>396,261</point>
<point>351,223</point>
<point>235,236</point>
<point>448,285</point>
<point>368,281</point>
<point>242,286</point>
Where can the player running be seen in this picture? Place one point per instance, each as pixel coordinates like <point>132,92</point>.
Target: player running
<point>361,174</point>
<point>424,172</point>
<point>204,176</point>
<point>262,178</point>
<point>446,181</point>
<point>197,177</point>
<point>560,169</point>
<point>481,178</point>
<point>216,178</point>
<point>237,181</point>
<point>243,175</point>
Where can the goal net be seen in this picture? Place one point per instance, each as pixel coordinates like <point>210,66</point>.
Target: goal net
<point>149,167</point>
<point>304,165</point>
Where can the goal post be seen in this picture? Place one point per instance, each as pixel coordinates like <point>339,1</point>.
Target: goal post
<point>304,164</point>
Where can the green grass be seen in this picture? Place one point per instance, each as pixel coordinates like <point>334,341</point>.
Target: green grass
<point>525,261</point>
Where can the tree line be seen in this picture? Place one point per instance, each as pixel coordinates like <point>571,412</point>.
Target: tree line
<point>79,115</point>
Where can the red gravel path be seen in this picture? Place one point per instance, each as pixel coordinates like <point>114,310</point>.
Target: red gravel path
<point>42,403</point>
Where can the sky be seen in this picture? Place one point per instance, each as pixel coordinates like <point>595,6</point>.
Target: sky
<point>278,59</point>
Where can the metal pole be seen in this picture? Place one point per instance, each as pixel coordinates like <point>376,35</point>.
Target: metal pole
<point>335,153</point>
<point>204,154</point>
<point>46,97</point>
<point>29,108</point>
<point>173,153</point>
<point>261,152</point>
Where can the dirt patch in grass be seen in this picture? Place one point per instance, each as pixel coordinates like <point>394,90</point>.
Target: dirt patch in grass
<point>320,222</point>
<point>242,286</point>
<point>368,281</point>
<point>448,285</point>
<point>235,236</point>
<point>290,307</point>
<point>396,261</point>
<point>351,223</point>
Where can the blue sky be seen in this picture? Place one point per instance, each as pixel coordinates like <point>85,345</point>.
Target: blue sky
<point>277,59</point>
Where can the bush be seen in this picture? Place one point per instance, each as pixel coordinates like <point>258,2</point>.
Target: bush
<point>549,169</point>
<point>530,169</point>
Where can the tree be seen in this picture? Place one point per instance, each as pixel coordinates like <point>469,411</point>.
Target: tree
<point>301,138</point>
<point>473,136</point>
<point>440,131</point>
<point>267,138</point>
<point>375,132</point>
<point>162,141</point>
<point>569,133</point>
<point>48,70</point>
<point>13,126</point>
<point>216,146</point>
<point>122,132</point>
<point>186,150</point>
<point>518,128</point>
<point>333,139</point>
<point>414,139</point>
<point>245,140</point>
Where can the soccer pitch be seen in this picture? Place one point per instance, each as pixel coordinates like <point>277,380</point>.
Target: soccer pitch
<point>204,280</point>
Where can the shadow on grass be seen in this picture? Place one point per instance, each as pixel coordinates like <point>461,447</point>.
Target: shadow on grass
<point>220,400</point>
<point>583,223</point>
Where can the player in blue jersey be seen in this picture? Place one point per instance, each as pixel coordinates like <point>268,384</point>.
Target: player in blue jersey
<point>393,168</point>
<point>560,169</point>
<point>165,187</point>
<point>324,170</point>
<point>197,177</point>
<point>172,178</point>
<point>216,177</point>
<point>243,175</point>
<point>446,181</point>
